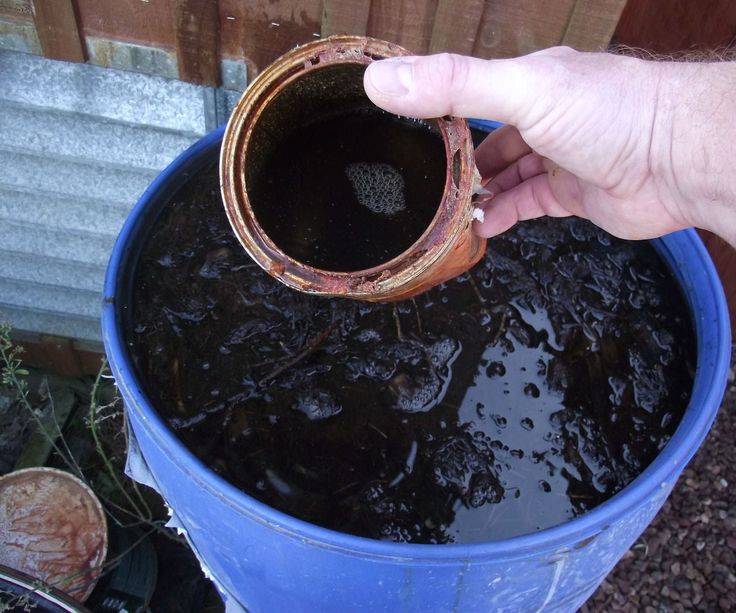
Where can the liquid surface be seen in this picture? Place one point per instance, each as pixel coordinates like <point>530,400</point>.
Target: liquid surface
<point>351,192</point>
<point>509,400</point>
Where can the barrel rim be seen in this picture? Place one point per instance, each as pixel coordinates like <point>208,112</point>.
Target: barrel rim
<point>699,281</point>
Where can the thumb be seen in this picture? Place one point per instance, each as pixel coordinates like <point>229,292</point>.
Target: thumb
<point>447,84</point>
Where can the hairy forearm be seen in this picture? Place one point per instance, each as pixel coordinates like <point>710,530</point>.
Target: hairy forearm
<point>695,147</point>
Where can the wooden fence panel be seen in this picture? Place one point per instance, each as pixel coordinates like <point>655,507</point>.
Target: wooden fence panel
<point>197,37</point>
<point>517,27</point>
<point>58,30</point>
<point>663,26</point>
<point>60,355</point>
<point>148,23</point>
<point>456,25</point>
<point>258,31</point>
<point>592,24</point>
<point>262,30</point>
<point>406,22</point>
<point>345,17</point>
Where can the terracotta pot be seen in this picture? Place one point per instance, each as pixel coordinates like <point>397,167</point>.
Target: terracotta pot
<point>296,86</point>
<point>52,527</point>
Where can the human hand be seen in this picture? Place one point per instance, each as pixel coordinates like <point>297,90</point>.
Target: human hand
<point>590,134</point>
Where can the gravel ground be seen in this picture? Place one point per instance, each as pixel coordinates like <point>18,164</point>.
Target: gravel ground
<point>686,559</point>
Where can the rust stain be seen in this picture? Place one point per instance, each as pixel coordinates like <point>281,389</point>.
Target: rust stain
<point>447,248</point>
<point>52,527</point>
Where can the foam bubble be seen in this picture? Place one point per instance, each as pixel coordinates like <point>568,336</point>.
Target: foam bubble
<point>318,404</point>
<point>378,187</point>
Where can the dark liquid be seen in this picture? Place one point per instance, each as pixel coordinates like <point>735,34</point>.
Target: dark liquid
<point>512,399</point>
<point>350,192</point>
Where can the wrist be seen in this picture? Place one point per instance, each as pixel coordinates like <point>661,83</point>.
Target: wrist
<point>693,144</point>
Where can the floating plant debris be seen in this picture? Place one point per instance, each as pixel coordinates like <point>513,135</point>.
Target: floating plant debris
<point>518,396</point>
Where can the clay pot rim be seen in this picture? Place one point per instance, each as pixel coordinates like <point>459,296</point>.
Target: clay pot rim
<point>453,216</point>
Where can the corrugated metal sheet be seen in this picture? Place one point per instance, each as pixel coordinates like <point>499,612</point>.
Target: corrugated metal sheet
<point>78,144</point>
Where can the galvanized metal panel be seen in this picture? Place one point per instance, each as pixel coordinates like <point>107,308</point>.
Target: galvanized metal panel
<point>115,94</point>
<point>59,134</point>
<point>78,145</point>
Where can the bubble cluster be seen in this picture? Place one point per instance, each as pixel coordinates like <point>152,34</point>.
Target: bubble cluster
<point>318,404</point>
<point>419,394</point>
<point>465,466</point>
<point>422,392</point>
<point>377,187</point>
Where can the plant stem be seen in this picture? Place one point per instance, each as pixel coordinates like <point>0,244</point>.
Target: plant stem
<point>93,408</point>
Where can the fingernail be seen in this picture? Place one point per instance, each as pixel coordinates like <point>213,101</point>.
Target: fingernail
<point>391,77</point>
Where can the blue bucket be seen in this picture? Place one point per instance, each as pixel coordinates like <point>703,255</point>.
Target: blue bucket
<point>271,561</point>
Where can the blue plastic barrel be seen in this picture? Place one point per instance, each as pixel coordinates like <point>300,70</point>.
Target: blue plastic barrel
<point>272,562</point>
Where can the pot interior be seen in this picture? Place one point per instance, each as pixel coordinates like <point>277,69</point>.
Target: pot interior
<point>335,182</point>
